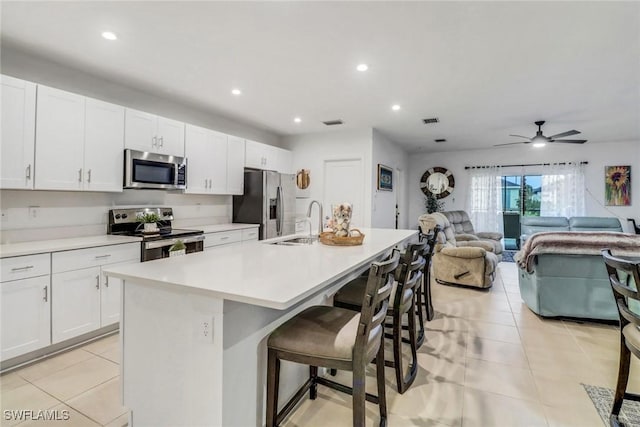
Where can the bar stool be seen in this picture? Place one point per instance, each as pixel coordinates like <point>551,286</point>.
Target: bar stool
<point>407,279</point>
<point>621,272</point>
<point>335,338</point>
<point>427,254</point>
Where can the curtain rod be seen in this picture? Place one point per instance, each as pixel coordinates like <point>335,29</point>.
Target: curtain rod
<point>527,164</point>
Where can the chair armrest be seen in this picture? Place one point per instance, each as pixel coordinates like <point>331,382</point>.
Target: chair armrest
<point>492,235</point>
<point>467,253</point>
<point>463,237</point>
<point>477,244</point>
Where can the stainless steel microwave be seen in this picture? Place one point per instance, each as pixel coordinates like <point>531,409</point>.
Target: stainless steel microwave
<point>152,170</point>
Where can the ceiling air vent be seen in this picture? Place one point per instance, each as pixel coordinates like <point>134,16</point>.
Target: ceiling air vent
<point>440,140</point>
<point>333,122</point>
<point>431,120</point>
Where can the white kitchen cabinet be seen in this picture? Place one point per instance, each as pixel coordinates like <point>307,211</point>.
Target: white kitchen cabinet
<point>59,140</point>
<point>206,153</point>
<point>235,165</point>
<point>110,289</point>
<point>267,157</point>
<point>103,146</point>
<point>25,304</point>
<point>219,238</point>
<point>250,234</point>
<point>75,303</point>
<point>218,163</point>
<point>148,132</point>
<point>17,126</point>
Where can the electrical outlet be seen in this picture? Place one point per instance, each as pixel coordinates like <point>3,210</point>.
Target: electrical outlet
<point>204,329</point>
<point>34,212</point>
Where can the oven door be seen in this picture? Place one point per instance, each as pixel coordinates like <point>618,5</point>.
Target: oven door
<point>157,249</point>
<point>151,170</point>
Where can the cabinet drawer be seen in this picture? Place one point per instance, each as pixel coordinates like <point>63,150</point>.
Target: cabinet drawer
<point>22,267</point>
<point>250,234</point>
<point>93,257</point>
<point>222,238</point>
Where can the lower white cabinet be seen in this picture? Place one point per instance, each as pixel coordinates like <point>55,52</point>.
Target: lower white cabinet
<point>24,315</point>
<point>110,290</point>
<point>212,240</point>
<point>76,303</point>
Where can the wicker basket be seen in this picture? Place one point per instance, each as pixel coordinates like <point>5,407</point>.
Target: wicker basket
<point>328,238</point>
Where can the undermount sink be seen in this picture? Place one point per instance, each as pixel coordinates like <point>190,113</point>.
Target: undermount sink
<point>295,241</point>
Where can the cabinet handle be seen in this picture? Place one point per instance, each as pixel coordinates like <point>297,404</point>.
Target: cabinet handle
<point>46,294</point>
<point>210,184</point>
<point>29,171</point>
<point>89,176</point>
<point>224,238</point>
<point>80,175</point>
<point>162,141</point>
<point>106,281</point>
<point>103,256</point>
<point>206,182</point>
<point>26,267</point>
<point>98,282</point>
<point>154,141</point>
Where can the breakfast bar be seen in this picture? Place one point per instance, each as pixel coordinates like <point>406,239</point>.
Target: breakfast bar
<point>194,328</point>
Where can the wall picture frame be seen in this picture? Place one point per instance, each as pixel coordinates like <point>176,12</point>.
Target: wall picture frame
<point>385,178</point>
<point>617,185</point>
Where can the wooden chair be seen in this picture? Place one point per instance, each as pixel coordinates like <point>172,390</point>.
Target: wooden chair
<point>624,276</point>
<point>423,298</point>
<point>335,338</point>
<point>403,302</point>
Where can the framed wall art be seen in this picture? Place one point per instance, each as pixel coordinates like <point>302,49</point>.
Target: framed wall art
<point>617,185</point>
<point>385,178</point>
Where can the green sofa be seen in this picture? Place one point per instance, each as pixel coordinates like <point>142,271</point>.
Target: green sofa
<point>535,224</point>
<point>571,283</point>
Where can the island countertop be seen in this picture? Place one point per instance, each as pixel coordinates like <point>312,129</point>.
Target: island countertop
<point>263,274</point>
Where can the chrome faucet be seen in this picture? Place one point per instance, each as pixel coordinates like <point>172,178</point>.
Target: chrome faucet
<point>320,227</point>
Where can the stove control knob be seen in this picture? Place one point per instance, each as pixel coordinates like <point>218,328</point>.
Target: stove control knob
<point>117,216</point>
<point>124,216</point>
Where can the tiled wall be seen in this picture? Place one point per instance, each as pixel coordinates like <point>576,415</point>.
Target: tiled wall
<point>42,215</point>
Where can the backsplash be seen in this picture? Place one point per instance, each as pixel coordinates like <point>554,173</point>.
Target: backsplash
<point>43,215</point>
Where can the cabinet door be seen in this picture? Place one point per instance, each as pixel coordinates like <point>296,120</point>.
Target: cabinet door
<point>284,160</point>
<point>170,137</point>
<point>198,160</point>
<point>25,321</point>
<point>235,165</point>
<point>17,126</point>
<point>59,140</point>
<point>75,308</point>
<point>110,291</point>
<point>218,163</point>
<point>254,155</point>
<point>140,131</point>
<point>103,146</point>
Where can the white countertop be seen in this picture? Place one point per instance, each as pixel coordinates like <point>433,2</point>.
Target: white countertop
<point>43,246</point>
<point>275,276</point>
<point>222,227</point>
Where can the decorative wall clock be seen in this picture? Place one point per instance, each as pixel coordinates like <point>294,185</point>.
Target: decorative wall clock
<point>437,181</point>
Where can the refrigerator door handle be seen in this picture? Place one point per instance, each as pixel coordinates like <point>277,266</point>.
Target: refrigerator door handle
<point>279,211</point>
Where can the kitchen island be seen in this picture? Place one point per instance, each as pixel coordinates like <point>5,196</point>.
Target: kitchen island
<point>194,328</point>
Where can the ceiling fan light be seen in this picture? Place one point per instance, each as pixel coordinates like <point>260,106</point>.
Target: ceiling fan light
<point>539,144</point>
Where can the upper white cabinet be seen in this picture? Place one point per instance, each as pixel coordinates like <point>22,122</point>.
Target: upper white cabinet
<point>79,142</point>
<point>18,124</point>
<point>215,162</point>
<point>148,132</point>
<point>268,157</point>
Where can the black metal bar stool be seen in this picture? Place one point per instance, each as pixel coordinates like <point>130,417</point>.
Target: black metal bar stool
<point>407,279</point>
<point>622,273</point>
<point>335,338</point>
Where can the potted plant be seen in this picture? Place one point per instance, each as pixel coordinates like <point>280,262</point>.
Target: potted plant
<point>150,220</point>
<point>432,203</point>
<point>178,248</point>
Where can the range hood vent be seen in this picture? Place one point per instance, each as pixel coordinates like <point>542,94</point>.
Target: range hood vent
<point>333,122</point>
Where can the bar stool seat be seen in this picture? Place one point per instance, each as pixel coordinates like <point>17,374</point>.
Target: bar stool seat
<point>631,333</point>
<point>351,294</point>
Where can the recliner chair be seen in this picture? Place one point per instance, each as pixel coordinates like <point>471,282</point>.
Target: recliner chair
<point>466,263</point>
<point>464,231</point>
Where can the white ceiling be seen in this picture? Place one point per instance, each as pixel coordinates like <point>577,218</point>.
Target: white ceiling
<point>485,69</point>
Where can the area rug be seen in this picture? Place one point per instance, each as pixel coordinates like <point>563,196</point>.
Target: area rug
<point>602,399</point>
<point>507,256</point>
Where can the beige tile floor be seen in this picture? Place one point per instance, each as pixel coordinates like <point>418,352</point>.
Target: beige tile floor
<point>488,361</point>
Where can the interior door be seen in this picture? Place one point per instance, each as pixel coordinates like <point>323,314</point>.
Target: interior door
<point>344,182</point>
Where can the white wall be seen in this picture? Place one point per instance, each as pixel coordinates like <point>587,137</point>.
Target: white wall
<point>310,151</point>
<point>598,156</point>
<point>383,203</point>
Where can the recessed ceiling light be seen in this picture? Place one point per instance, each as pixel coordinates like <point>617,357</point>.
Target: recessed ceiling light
<point>297,120</point>
<point>109,35</point>
<point>236,91</point>
<point>362,67</point>
<point>395,107</point>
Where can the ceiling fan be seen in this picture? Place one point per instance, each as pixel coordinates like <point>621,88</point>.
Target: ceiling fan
<point>540,140</point>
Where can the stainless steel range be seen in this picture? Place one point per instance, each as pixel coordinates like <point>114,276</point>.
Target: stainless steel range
<point>125,222</point>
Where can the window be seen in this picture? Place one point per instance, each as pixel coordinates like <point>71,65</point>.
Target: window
<point>521,194</point>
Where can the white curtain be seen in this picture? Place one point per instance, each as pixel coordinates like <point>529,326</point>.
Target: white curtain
<point>563,190</point>
<point>484,199</point>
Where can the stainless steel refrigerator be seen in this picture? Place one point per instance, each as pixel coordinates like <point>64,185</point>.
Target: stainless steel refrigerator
<point>269,199</point>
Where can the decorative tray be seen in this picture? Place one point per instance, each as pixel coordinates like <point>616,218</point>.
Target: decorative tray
<point>329,238</point>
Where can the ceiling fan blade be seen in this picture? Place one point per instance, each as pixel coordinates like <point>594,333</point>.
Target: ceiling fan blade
<point>521,136</point>
<point>570,141</point>
<point>563,134</point>
<point>510,143</point>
